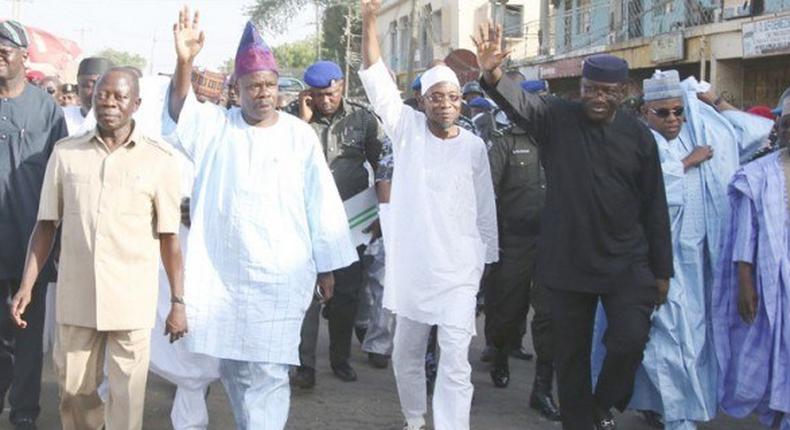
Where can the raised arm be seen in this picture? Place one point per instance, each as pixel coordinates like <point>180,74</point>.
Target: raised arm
<point>380,88</point>
<point>527,110</point>
<point>189,41</point>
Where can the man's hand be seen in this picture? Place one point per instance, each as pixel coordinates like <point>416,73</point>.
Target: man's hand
<point>176,323</point>
<point>185,219</point>
<point>306,105</point>
<point>189,39</point>
<point>488,42</point>
<point>709,97</point>
<point>747,302</point>
<point>663,291</point>
<point>326,286</point>
<point>374,229</point>
<point>19,304</point>
<point>698,156</point>
<point>370,8</point>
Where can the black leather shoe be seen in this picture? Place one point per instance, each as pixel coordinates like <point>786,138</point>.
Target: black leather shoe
<point>345,372</point>
<point>500,376</point>
<point>304,377</point>
<point>544,404</point>
<point>604,420</point>
<point>379,361</point>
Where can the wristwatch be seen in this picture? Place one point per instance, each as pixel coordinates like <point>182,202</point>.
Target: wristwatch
<point>177,299</point>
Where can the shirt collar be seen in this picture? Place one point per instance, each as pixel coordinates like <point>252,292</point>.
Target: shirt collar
<point>133,139</point>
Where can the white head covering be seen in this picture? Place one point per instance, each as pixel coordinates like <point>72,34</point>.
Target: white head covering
<point>437,74</point>
<point>786,106</point>
<point>663,85</point>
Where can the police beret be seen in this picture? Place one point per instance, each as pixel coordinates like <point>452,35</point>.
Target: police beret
<point>322,74</point>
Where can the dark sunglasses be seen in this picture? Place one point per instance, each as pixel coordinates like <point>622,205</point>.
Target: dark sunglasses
<point>664,112</point>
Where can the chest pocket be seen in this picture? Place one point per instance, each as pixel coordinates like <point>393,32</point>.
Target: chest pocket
<point>76,192</point>
<point>136,195</point>
<point>524,166</point>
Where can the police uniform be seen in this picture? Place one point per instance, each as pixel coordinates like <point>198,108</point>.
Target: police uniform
<point>520,186</point>
<point>350,137</point>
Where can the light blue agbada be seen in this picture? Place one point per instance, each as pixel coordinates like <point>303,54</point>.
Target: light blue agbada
<point>266,217</point>
<point>678,375</point>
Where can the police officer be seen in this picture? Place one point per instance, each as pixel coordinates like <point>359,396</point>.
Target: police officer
<point>519,184</point>
<point>351,135</point>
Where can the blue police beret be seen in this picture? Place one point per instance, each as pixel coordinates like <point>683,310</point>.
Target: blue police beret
<point>481,103</point>
<point>534,86</point>
<point>322,74</point>
<point>416,85</point>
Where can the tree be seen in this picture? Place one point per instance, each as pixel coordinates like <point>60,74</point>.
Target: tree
<point>123,58</point>
<point>295,55</point>
<point>275,15</point>
<point>228,66</point>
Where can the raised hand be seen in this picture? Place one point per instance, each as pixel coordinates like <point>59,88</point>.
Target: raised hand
<point>188,37</point>
<point>488,41</point>
<point>370,8</point>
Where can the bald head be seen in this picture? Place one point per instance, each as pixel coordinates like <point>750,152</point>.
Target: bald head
<point>125,73</point>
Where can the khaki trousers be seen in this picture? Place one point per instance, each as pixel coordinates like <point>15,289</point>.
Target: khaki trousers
<point>79,357</point>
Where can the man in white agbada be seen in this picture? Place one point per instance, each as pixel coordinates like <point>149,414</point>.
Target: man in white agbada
<point>442,230</point>
<point>267,221</point>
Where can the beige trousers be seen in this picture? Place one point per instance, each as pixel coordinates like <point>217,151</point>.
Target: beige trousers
<point>79,356</point>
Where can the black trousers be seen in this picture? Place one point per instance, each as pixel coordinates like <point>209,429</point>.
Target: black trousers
<point>508,293</point>
<point>341,312</point>
<point>628,308</point>
<point>21,352</point>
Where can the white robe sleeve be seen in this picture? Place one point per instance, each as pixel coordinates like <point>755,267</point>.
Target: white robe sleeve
<point>751,131</point>
<point>396,117</point>
<point>326,217</point>
<point>197,126</point>
<point>486,205</point>
<point>674,173</point>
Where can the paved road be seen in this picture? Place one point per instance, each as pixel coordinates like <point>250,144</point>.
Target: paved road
<point>368,404</point>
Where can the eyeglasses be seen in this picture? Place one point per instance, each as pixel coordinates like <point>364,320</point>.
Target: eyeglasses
<point>440,98</point>
<point>664,112</point>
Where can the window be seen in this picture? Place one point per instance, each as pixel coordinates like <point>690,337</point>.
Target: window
<point>568,24</point>
<point>583,17</point>
<point>513,21</point>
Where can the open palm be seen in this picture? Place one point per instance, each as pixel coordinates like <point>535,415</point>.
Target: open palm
<point>488,41</point>
<point>188,37</point>
<point>370,7</point>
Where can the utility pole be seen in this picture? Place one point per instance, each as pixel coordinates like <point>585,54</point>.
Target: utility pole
<point>348,49</point>
<point>317,30</point>
<point>545,29</point>
<point>151,59</point>
<point>412,42</point>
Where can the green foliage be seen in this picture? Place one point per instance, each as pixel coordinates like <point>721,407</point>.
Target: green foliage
<point>275,15</point>
<point>295,55</point>
<point>123,58</point>
<point>228,66</point>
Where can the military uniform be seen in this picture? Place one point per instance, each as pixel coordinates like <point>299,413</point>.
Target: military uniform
<point>350,137</point>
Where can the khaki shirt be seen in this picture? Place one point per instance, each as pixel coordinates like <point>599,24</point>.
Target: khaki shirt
<point>112,206</point>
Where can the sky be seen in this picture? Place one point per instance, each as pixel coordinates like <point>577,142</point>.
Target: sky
<point>145,27</point>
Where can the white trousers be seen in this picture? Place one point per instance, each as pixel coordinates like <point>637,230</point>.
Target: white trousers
<point>452,395</point>
<point>189,410</point>
<point>259,393</point>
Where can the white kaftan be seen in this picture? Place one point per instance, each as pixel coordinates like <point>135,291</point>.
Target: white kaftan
<point>266,218</point>
<point>442,216</point>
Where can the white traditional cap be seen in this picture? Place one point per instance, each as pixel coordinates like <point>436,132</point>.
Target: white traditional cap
<point>437,74</point>
<point>663,85</point>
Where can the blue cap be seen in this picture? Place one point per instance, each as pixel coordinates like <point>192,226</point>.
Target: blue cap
<point>534,86</point>
<point>322,74</point>
<point>416,85</point>
<point>481,103</point>
<point>472,87</point>
<point>605,68</point>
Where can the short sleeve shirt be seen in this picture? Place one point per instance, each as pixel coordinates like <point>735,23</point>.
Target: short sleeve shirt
<point>113,206</point>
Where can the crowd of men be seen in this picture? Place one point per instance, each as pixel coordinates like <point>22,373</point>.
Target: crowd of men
<point>652,242</point>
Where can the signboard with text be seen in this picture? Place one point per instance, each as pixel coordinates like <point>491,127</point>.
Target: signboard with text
<point>768,37</point>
